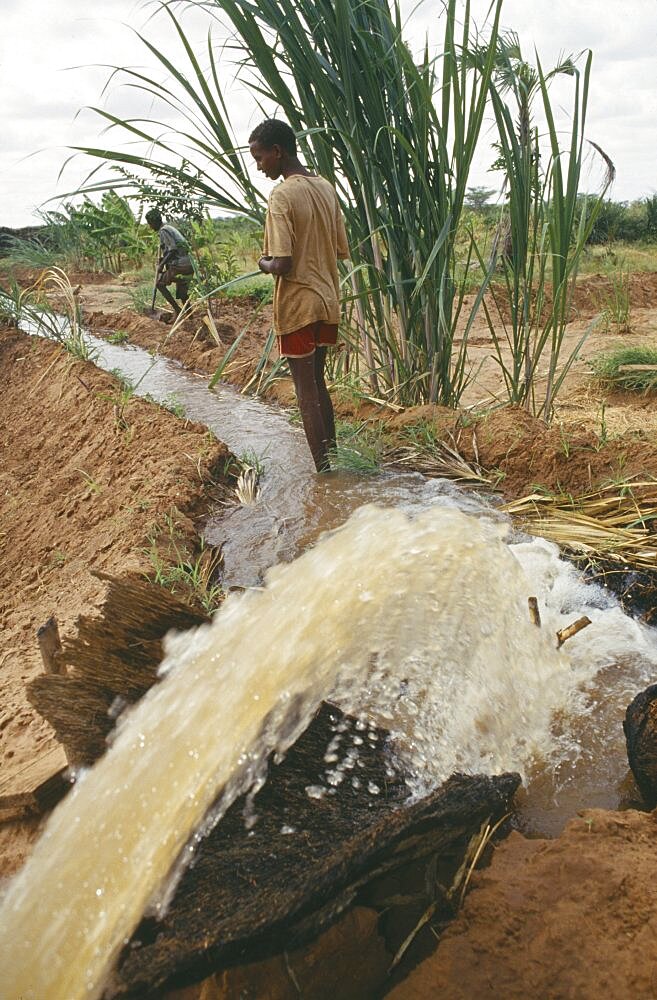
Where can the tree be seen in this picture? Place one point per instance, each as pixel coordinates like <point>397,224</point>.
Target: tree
<point>477,198</point>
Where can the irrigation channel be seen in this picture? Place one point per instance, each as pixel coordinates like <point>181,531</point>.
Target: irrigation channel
<point>412,615</point>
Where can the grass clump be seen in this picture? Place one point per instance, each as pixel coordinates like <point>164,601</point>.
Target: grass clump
<point>190,574</point>
<point>118,337</point>
<point>632,367</point>
<point>359,449</point>
<point>142,297</point>
<point>616,304</point>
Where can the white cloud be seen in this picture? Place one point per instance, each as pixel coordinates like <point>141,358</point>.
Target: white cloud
<point>41,97</point>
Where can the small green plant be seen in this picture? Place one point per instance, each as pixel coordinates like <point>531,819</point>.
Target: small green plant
<point>249,459</point>
<point>92,484</point>
<point>124,380</point>
<point>632,368</point>
<point>603,436</point>
<point>57,559</point>
<point>616,303</point>
<point>122,397</point>
<point>175,568</point>
<point>359,449</point>
<point>142,296</point>
<point>174,405</point>
<point>423,435</point>
<point>118,337</point>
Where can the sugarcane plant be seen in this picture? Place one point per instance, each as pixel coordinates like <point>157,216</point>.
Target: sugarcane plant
<point>544,228</point>
<point>396,134</point>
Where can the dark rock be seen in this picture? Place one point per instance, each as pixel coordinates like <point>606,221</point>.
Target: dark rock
<point>640,727</point>
<point>255,893</point>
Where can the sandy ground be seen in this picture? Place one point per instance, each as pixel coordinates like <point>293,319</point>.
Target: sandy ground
<point>571,918</point>
<point>78,493</point>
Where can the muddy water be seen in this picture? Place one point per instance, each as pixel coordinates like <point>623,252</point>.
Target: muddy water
<point>615,656</point>
<point>418,623</point>
<point>295,504</point>
<point>414,616</point>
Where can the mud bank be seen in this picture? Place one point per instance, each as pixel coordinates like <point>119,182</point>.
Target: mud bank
<point>517,450</point>
<point>80,491</point>
<point>573,917</point>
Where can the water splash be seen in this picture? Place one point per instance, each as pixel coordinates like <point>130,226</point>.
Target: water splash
<point>420,624</point>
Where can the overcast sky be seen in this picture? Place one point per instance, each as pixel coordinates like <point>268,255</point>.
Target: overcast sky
<point>42,95</point>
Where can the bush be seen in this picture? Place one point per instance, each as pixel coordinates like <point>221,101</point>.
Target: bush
<point>607,368</point>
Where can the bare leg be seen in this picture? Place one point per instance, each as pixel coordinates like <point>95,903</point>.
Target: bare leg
<point>164,291</point>
<point>324,397</point>
<point>303,376</point>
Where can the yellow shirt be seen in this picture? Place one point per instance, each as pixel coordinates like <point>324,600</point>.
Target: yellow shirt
<point>304,222</point>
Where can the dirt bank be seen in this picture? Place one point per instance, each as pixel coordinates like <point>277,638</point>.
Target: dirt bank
<point>80,491</point>
<point>557,920</point>
<point>596,437</point>
<point>563,919</point>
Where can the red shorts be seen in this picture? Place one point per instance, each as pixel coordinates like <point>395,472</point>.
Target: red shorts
<point>302,343</point>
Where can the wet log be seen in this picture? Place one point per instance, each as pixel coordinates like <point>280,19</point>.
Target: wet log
<point>254,893</point>
<point>640,728</point>
<point>111,660</point>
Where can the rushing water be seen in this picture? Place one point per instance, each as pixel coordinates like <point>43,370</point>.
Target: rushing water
<point>419,622</point>
<point>412,614</point>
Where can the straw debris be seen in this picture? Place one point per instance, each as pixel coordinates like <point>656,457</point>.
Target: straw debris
<point>615,522</point>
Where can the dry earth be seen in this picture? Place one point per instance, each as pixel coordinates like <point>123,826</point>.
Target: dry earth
<point>570,919</point>
<point>78,492</point>
<point>596,436</point>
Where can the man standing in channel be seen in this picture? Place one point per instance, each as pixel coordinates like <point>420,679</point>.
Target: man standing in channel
<point>304,238</point>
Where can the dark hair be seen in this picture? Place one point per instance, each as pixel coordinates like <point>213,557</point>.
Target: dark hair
<point>154,218</point>
<point>273,132</point>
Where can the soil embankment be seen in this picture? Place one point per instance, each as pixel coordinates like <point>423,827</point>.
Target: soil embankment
<point>574,917</point>
<point>81,488</point>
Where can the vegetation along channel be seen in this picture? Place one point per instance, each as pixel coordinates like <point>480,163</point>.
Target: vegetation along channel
<point>329,567</point>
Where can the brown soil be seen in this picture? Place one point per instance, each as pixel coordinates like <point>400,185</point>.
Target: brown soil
<point>557,919</point>
<point>78,492</point>
<point>570,918</point>
<point>596,436</point>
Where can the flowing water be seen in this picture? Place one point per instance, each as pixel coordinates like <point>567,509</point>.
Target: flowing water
<point>412,614</point>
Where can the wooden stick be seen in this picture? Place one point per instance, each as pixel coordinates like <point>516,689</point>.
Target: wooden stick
<point>637,368</point>
<point>534,613</point>
<point>50,646</point>
<point>571,630</point>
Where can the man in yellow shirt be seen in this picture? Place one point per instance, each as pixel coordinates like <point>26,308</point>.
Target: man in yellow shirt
<point>304,238</point>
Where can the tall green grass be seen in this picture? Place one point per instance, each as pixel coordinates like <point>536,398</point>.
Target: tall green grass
<point>395,133</point>
<point>545,225</point>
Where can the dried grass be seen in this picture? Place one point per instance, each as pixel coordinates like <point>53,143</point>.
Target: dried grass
<point>616,522</point>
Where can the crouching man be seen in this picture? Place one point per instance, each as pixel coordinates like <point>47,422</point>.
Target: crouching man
<point>174,264</point>
<point>304,238</point>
